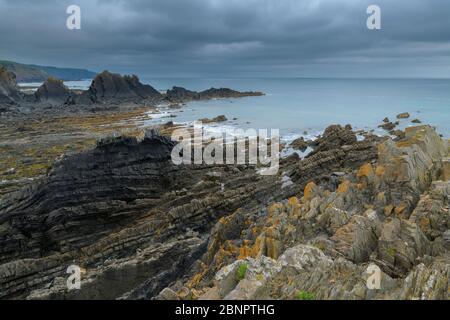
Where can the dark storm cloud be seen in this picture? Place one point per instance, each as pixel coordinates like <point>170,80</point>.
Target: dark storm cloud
<point>232,38</point>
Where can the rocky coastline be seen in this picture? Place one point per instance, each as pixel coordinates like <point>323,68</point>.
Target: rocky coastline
<point>141,227</point>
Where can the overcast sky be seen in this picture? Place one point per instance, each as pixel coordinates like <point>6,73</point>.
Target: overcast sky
<point>232,38</point>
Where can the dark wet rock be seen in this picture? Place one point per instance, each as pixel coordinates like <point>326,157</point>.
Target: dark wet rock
<point>403,115</point>
<point>108,86</point>
<point>220,118</point>
<point>123,206</point>
<point>179,94</point>
<point>388,126</point>
<point>300,144</point>
<point>143,228</point>
<point>107,92</point>
<point>334,136</point>
<point>416,121</point>
<point>54,93</point>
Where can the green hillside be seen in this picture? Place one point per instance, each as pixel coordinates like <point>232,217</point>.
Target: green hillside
<point>34,73</point>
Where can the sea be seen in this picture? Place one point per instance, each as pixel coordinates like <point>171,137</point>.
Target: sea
<point>305,107</point>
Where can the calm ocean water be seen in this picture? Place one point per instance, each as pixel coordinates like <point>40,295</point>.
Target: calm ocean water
<point>298,105</point>
<point>295,105</point>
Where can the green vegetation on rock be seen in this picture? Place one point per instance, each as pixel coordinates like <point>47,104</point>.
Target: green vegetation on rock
<point>241,271</point>
<point>304,295</point>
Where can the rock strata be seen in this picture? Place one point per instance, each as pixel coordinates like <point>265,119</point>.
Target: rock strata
<point>381,212</point>
<point>141,227</point>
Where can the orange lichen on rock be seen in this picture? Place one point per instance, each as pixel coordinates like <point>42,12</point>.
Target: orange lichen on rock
<point>365,170</point>
<point>309,190</point>
<point>273,248</point>
<point>195,280</point>
<point>244,252</point>
<point>380,171</point>
<point>259,247</point>
<point>293,201</point>
<point>401,208</point>
<point>343,186</point>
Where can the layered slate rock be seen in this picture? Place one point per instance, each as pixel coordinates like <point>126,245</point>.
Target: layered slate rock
<point>391,212</point>
<point>142,228</point>
<point>122,211</point>
<point>82,192</point>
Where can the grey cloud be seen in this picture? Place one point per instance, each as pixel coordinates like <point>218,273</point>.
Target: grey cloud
<point>231,37</point>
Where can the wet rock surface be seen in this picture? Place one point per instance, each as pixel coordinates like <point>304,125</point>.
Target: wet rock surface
<point>103,208</point>
<point>391,212</point>
<point>300,144</point>
<point>140,227</point>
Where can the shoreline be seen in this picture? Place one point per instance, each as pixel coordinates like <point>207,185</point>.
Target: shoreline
<point>79,131</point>
<point>337,208</point>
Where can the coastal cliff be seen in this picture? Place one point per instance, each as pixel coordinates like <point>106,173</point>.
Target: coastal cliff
<point>142,228</point>
<point>107,91</point>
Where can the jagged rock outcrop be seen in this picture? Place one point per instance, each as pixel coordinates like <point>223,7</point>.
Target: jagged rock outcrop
<point>391,211</point>
<point>107,92</point>
<point>179,94</point>
<point>334,136</point>
<point>101,208</point>
<point>54,93</point>
<point>111,87</point>
<point>142,228</point>
<point>306,272</point>
<point>403,115</point>
<point>300,144</point>
<point>220,118</point>
<point>9,92</point>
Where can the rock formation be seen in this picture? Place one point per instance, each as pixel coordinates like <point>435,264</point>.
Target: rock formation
<point>140,227</point>
<point>123,205</point>
<point>178,94</point>
<point>220,118</point>
<point>9,92</point>
<point>54,93</point>
<point>391,211</point>
<point>108,91</point>
<point>403,115</point>
<point>111,87</point>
